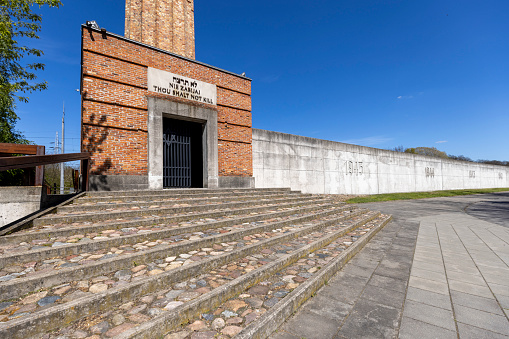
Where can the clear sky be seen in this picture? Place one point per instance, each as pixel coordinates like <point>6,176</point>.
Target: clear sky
<point>378,73</point>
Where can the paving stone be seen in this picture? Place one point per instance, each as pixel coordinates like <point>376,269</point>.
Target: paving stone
<point>48,300</point>
<point>411,328</point>
<point>476,302</point>
<point>429,298</point>
<point>472,332</point>
<point>369,319</point>
<point>119,330</point>
<point>100,328</point>
<point>491,322</point>
<point>429,314</point>
<point>178,335</point>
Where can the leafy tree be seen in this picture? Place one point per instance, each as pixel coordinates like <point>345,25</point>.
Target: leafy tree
<point>429,151</point>
<point>460,157</point>
<point>17,79</point>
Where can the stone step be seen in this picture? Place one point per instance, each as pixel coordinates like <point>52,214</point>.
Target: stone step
<point>27,239</point>
<point>112,215</point>
<point>61,269</point>
<point>167,201</point>
<point>249,306</point>
<point>56,316</point>
<point>185,191</point>
<point>88,199</point>
<point>149,221</point>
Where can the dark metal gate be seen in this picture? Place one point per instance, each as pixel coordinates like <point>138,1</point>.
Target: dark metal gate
<point>177,154</point>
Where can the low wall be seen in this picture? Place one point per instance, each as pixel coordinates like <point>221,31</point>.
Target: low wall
<point>321,166</point>
<point>18,201</point>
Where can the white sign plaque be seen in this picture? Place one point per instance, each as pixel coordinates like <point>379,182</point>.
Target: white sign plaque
<point>175,85</point>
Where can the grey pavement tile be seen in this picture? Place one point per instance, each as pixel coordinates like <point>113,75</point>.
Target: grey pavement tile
<point>499,289</point>
<point>429,298</point>
<point>364,262</point>
<point>429,266</point>
<point>461,268</point>
<point>370,320</point>
<point>306,324</point>
<point>471,332</point>
<point>481,319</point>
<point>429,314</point>
<point>475,279</point>
<point>393,284</point>
<point>328,308</point>
<point>383,296</point>
<point>429,285</point>
<point>394,263</point>
<point>281,334</point>
<point>503,300</point>
<point>393,272</point>
<point>411,329</point>
<point>429,260</point>
<point>474,301</point>
<point>482,291</point>
<point>358,270</point>
<point>345,290</point>
<point>430,275</point>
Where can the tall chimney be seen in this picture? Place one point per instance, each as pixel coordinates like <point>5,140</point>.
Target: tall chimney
<point>165,24</point>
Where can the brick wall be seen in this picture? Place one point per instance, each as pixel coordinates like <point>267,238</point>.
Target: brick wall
<point>167,24</point>
<point>114,105</point>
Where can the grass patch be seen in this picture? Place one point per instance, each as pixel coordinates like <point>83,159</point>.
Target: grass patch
<point>421,195</point>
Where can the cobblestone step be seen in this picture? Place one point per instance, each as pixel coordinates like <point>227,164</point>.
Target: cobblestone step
<point>157,195</point>
<point>113,204</point>
<point>63,229</point>
<point>61,269</point>
<point>198,220</point>
<point>118,273</point>
<point>122,214</point>
<point>242,304</point>
<point>121,293</point>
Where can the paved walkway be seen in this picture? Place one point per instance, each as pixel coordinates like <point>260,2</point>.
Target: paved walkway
<point>439,270</point>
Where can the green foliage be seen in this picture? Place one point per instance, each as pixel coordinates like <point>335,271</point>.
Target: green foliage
<point>17,79</point>
<point>428,151</point>
<point>422,195</point>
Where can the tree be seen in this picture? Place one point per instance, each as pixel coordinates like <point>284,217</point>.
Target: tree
<point>16,78</point>
<point>428,151</point>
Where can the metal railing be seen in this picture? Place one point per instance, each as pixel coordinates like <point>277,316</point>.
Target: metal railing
<point>34,158</point>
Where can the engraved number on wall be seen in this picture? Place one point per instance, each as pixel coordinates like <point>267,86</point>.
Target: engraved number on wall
<point>471,174</point>
<point>500,176</point>
<point>430,172</point>
<point>354,167</point>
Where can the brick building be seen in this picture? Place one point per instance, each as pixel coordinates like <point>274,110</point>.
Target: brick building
<point>152,116</point>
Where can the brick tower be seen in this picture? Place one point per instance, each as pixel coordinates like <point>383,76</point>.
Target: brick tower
<point>165,24</point>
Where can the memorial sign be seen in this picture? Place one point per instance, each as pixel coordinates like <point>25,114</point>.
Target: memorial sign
<point>175,85</point>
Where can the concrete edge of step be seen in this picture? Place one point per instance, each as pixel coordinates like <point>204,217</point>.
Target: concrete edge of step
<point>172,319</point>
<point>269,322</point>
<point>205,195</point>
<point>186,190</point>
<point>73,310</point>
<point>15,288</point>
<point>99,207</point>
<point>28,222</point>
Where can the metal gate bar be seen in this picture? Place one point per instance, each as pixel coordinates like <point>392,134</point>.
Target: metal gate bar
<point>177,154</point>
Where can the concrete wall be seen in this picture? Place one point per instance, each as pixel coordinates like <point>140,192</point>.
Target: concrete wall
<point>18,202</point>
<point>321,166</point>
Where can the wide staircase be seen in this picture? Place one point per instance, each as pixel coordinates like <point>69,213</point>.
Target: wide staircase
<point>171,264</point>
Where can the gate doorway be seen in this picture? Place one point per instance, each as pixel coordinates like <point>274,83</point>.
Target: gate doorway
<point>182,154</point>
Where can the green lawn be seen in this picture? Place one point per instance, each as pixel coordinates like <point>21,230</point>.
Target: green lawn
<point>421,195</point>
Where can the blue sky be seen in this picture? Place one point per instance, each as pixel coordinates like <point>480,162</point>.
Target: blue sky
<point>378,73</point>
